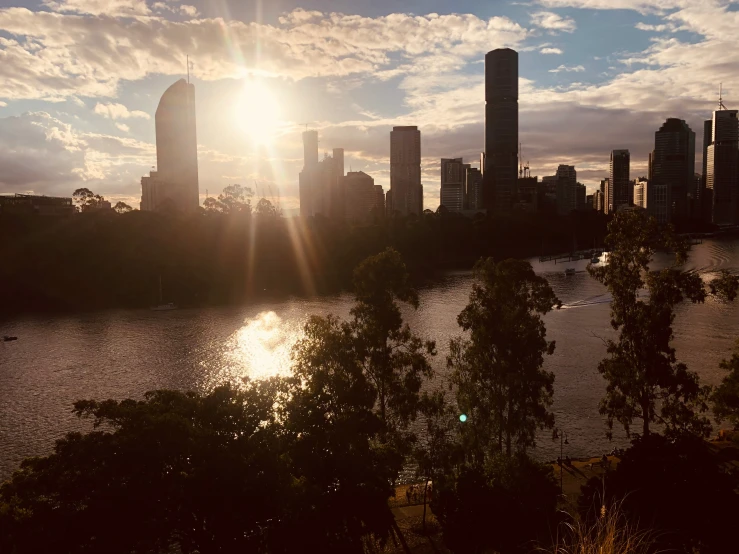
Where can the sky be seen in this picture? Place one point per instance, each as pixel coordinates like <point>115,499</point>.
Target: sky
<point>80,81</point>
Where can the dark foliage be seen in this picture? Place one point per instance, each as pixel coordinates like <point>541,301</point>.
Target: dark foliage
<point>101,259</point>
<point>726,395</point>
<point>676,488</point>
<point>504,507</point>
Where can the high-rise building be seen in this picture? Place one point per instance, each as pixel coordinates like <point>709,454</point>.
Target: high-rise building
<point>175,183</point>
<point>619,186</point>
<point>707,137</point>
<point>362,198</point>
<point>722,177</point>
<point>405,171</point>
<point>307,177</point>
<point>501,129</point>
<point>641,189</point>
<point>321,184</point>
<point>673,168</point>
<point>474,188</point>
<point>598,200</point>
<point>453,174</point>
<point>566,189</point>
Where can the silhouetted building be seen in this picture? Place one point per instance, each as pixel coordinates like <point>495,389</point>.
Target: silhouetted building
<point>707,137</point>
<point>30,204</point>
<point>619,189</point>
<point>566,189</point>
<point>474,188</point>
<point>501,129</point>
<point>527,194</point>
<point>722,177</point>
<point>175,183</point>
<point>321,183</point>
<point>581,197</point>
<point>453,176</point>
<point>405,171</point>
<point>673,169</point>
<point>362,198</point>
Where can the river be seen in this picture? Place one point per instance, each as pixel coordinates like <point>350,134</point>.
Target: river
<point>118,354</point>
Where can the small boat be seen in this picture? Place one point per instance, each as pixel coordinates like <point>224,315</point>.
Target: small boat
<point>570,271</point>
<point>164,307</point>
<point>161,307</point>
<point>595,261</point>
<point>6,338</point>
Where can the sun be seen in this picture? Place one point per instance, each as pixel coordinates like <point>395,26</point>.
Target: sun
<point>258,112</point>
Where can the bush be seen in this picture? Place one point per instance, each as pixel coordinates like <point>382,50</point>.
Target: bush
<point>504,506</point>
<point>674,487</point>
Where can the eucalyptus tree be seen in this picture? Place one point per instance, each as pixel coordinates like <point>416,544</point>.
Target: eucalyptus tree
<point>644,380</point>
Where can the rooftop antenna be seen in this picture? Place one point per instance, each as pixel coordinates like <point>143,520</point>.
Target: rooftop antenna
<point>720,98</point>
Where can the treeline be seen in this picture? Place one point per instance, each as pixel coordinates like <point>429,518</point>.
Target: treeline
<point>307,463</point>
<point>104,259</point>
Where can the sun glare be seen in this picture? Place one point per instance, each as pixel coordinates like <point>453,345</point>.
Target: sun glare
<point>258,112</point>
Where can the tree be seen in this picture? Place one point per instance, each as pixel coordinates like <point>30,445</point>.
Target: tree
<point>202,473</point>
<point>265,208</point>
<point>394,360</point>
<point>236,199</point>
<point>85,200</point>
<point>343,473</point>
<point>644,379</point>
<point>501,386</point>
<point>726,396</point>
<point>502,507</point>
<point>675,488</point>
<point>122,208</point>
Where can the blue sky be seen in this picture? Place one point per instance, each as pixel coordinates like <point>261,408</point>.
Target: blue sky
<point>80,81</point>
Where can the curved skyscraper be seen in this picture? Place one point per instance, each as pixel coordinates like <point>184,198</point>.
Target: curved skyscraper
<point>501,129</point>
<point>175,183</point>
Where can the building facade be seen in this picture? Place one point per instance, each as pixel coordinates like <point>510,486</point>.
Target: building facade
<point>364,199</point>
<point>566,189</point>
<point>321,183</point>
<point>641,188</point>
<point>501,129</point>
<point>175,185</point>
<point>672,170</point>
<point>453,184</point>
<point>30,204</point>
<point>722,178</point>
<point>474,188</point>
<point>618,187</point>
<point>405,171</point>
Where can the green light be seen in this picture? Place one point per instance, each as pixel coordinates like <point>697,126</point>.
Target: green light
<point>463,418</point>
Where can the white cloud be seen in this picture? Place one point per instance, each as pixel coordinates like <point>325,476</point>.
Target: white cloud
<point>575,68</point>
<point>123,127</point>
<point>553,22</point>
<point>110,8</point>
<point>52,56</point>
<point>118,111</point>
<point>550,51</point>
<point>191,11</point>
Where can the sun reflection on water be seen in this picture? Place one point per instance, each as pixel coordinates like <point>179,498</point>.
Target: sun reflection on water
<point>260,349</point>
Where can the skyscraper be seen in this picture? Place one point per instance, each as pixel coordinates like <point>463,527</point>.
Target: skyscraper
<point>722,177</point>
<point>501,129</point>
<point>307,177</point>
<point>566,189</point>
<point>673,169</point>
<point>362,197</point>
<point>453,174</point>
<point>405,171</point>
<point>175,183</point>
<point>474,188</point>
<point>321,184</point>
<point>619,187</point>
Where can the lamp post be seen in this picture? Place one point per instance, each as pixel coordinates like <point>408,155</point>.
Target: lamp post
<point>562,436</point>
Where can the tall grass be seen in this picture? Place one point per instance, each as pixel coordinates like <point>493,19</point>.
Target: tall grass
<point>610,533</point>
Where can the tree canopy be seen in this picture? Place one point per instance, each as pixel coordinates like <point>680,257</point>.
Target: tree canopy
<point>501,385</point>
<point>726,396</point>
<point>644,379</point>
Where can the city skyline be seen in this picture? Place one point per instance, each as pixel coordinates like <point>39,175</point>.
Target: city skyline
<point>94,126</point>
